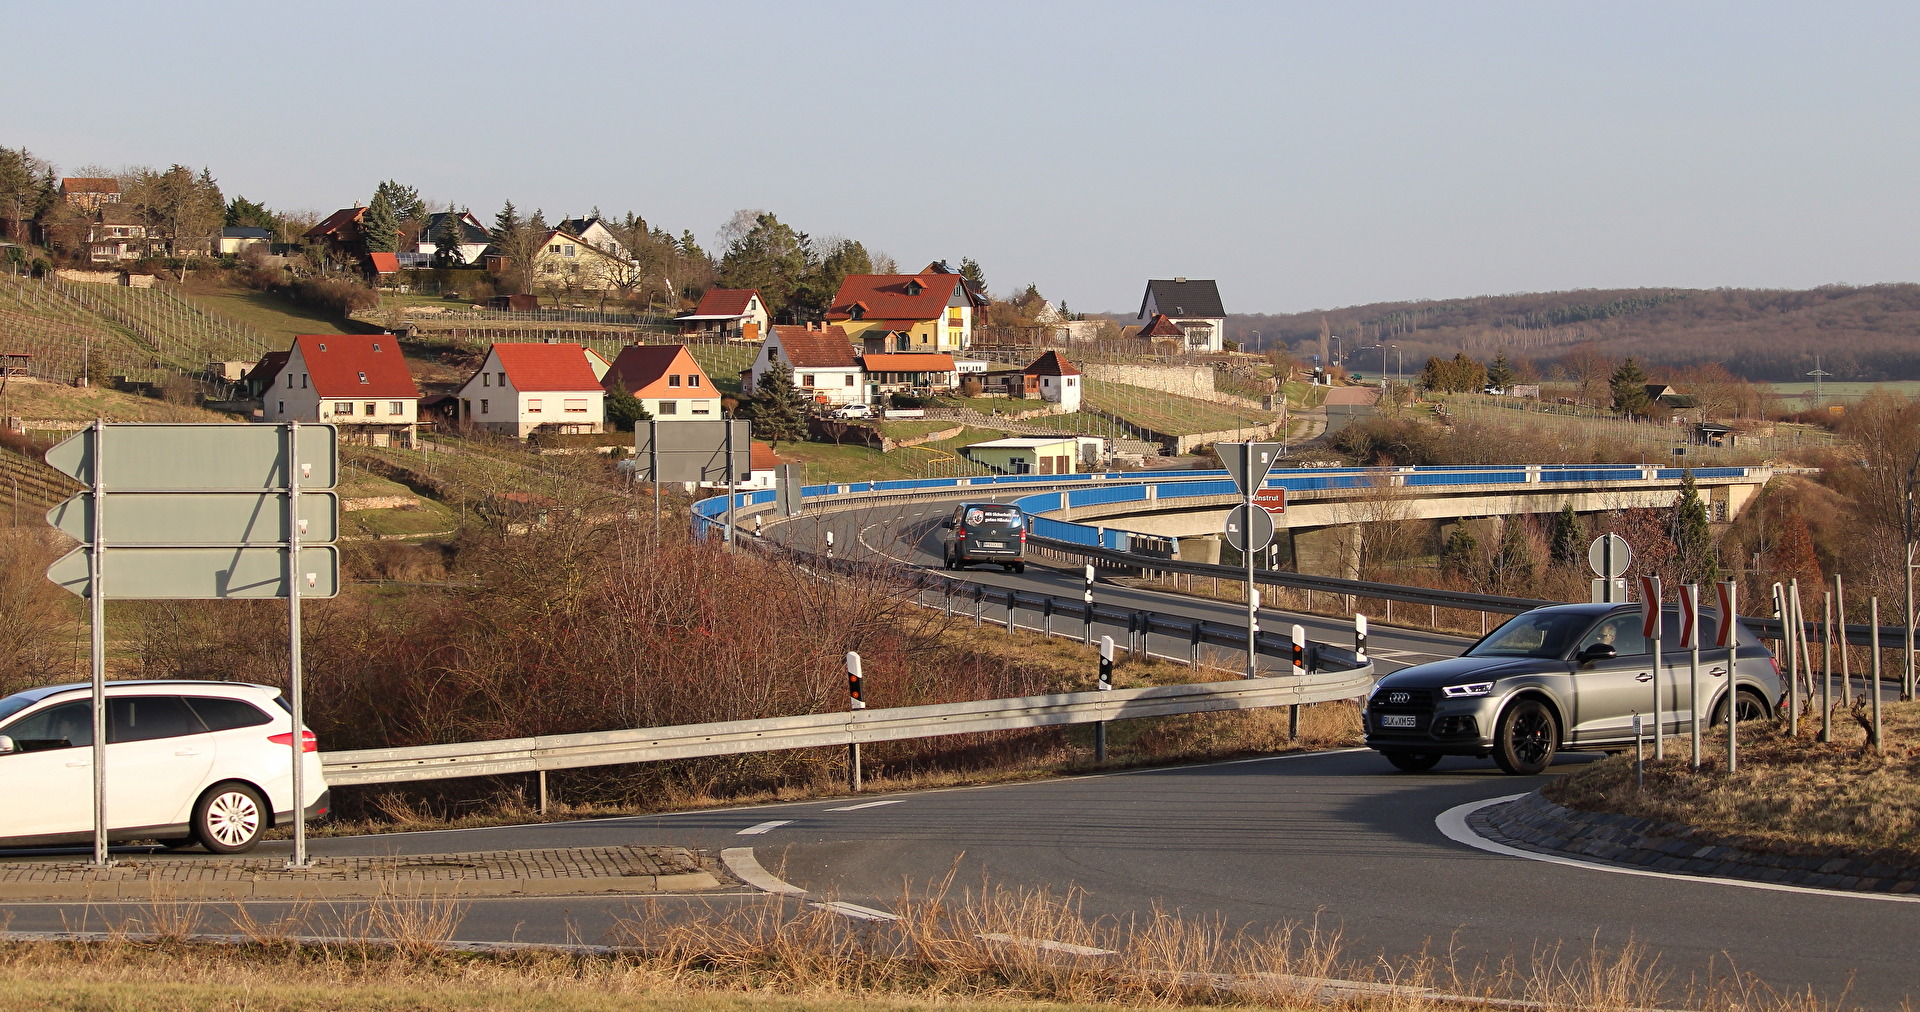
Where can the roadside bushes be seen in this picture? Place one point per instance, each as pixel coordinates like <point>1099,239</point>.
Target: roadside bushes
<point>333,295</point>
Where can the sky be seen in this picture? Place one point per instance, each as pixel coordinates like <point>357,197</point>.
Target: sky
<point>1305,155</point>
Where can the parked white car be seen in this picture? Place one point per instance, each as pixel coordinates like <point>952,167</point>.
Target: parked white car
<point>187,762</point>
<point>853,411</point>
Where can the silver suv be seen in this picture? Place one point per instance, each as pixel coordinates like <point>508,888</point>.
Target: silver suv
<point>1567,677</point>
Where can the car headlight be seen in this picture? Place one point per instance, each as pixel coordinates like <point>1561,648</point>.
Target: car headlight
<point>1468,690</point>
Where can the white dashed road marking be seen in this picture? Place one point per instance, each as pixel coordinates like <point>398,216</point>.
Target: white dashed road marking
<point>764,827</point>
<point>870,804</point>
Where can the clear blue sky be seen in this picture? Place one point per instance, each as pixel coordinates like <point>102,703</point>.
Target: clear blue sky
<point>1307,155</point>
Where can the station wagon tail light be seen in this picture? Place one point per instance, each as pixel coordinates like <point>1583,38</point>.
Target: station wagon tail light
<point>1468,690</point>
<point>308,743</point>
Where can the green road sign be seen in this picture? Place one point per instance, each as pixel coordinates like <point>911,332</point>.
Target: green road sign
<point>196,573</point>
<point>199,457</point>
<point>201,518</point>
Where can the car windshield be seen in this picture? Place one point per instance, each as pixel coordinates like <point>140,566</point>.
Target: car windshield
<point>15,703</point>
<point>1535,634</point>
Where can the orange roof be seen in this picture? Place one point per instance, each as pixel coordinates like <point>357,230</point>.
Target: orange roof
<point>908,362</point>
<point>90,184</point>
<point>385,263</point>
<point>1051,364</point>
<point>888,296</point>
<point>547,367</point>
<point>1161,327</point>
<point>827,348</point>
<point>725,301</point>
<point>762,458</point>
<point>356,365</point>
<point>642,370</point>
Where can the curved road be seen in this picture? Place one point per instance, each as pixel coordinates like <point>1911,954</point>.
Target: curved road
<point>1338,838</point>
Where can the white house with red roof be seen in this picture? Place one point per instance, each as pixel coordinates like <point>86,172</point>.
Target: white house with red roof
<point>825,368</point>
<point>526,388</point>
<point>928,312</point>
<point>668,381</point>
<point>359,382</point>
<point>1058,380</point>
<point>735,314</point>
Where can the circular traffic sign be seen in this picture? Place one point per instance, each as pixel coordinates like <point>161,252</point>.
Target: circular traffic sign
<point>1597,556</point>
<point>1249,531</point>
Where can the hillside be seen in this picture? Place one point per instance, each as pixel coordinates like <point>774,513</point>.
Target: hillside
<point>1866,334</point>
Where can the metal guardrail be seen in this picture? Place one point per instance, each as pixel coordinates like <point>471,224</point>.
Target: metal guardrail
<point>605,748</point>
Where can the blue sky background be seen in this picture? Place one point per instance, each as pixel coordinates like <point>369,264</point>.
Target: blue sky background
<point>1308,155</point>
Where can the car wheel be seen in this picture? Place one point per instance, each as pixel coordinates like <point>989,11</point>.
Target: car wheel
<point>229,818</point>
<point>1413,762</point>
<point>1749,707</point>
<point>1006,567</point>
<point>1019,567</point>
<point>1526,738</point>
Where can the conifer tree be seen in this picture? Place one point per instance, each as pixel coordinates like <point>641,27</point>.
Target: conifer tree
<point>1500,374</point>
<point>1629,387</point>
<point>1694,557</point>
<point>1512,564</point>
<point>447,241</point>
<point>379,229</point>
<point>778,408</point>
<point>1460,557</point>
<point>1563,542</point>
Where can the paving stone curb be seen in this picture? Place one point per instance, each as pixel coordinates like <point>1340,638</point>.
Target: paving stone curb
<point>1537,824</point>
<point>556,872</point>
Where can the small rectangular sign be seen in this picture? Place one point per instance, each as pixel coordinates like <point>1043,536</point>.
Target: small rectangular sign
<point>200,573</point>
<point>1729,613</point>
<point>1650,607</point>
<point>1689,617</point>
<point>1273,500</point>
<point>199,518</point>
<point>199,457</point>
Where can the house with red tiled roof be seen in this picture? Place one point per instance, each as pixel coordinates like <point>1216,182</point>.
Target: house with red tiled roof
<point>1050,378</point>
<point>735,314</point>
<point>358,382</point>
<point>521,389</point>
<point>824,365</point>
<point>930,312</point>
<point>667,380</point>
<point>89,192</point>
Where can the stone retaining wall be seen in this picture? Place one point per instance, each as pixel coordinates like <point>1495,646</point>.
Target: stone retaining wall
<point>1537,824</point>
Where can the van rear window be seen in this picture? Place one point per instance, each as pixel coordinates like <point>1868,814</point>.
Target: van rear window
<point>1004,516</point>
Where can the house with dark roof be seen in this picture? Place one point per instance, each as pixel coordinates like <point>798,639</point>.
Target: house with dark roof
<point>1191,304</point>
<point>358,382</point>
<point>474,237</point>
<point>339,234</point>
<point>824,366</point>
<point>521,389</point>
<point>667,380</point>
<point>733,314</point>
<point>236,239</point>
<point>931,312</point>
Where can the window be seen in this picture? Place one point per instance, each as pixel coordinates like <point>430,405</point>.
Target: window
<point>144,718</point>
<point>343,408</point>
<point>376,346</point>
<point>956,317</point>
<point>69,725</point>
<point>555,248</point>
<point>856,312</point>
<point>369,412</point>
<point>303,381</point>
<point>673,380</point>
<point>503,378</point>
<point>483,405</point>
<point>289,381</point>
<point>900,342</point>
<point>486,380</point>
<point>396,407</point>
<point>363,377</point>
<point>669,407</point>
<point>806,380</point>
<point>283,408</point>
<point>693,380</point>
<point>567,250</point>
<point>226,714</point>
<point>702,411</point>
<point>576,405</point>
<point>915,288</point>
<point>533,405</point>
<point>849,379</point>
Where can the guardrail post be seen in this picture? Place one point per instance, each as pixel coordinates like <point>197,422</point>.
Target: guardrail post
<point>979,604</point>
<point>542,777</point>
<point>1012,597</point>
<point>829,546</point>
<point>1299,638</point>
<point>856,703</point>
<point>1087,596</point>
<point>1193,645</point>
<point>1046,617</point>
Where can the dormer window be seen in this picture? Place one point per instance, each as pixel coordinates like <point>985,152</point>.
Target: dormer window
<point>376,346</point>
<point>856,312</point>
<point>323,347</point>
<point>915,288</point>
<point>363,377</point>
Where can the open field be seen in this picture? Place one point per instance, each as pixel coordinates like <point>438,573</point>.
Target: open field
<point>1801,394</point>
<point>1169,414</point>
<point>59,402</point>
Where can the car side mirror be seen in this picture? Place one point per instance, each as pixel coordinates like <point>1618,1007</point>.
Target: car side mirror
<point>1598,652</point>
<point>6,744</point>
<point>947,523</point>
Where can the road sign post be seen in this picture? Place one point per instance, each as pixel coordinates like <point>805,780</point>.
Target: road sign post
<point>1608,556</point>
<point>200,512</point>
<point>1249,463</point>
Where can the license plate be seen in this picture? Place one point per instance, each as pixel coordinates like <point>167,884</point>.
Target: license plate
<point>1398,720</point>
<point>993,544</point>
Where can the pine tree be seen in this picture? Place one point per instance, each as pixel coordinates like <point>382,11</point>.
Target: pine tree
<point>506,222</point>
<point>379,229</point>
<point>1500,374</point>
<point>447,241</point>
<point>1564,540</point>
<point>624,409</point>
<point>1694,555</point>
<point>778,408</point>
<point>1461,556</point>
<point>1629,386</point>
<point>970,270</point>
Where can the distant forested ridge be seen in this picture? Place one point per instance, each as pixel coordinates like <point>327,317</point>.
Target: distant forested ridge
<point>1865,334</point>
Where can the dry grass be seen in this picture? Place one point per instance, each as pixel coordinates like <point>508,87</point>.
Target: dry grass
<point>1789,795</point>
<point>983,948</point>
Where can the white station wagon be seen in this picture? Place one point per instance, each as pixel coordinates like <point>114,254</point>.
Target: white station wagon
<point>187,762</point>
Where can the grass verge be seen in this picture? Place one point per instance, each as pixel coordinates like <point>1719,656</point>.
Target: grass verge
<point>1790,794</point>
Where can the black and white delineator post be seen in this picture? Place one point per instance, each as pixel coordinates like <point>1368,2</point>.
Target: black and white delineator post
<point>1360,637</point>
<point>1650,628</point>
<point>1728,636</point>
<point>1299,638</point>
<point>1087,597</point>
<point>829,546</point>
<point>855,702</point>
<point>1690,642</point>
<point>1106,685</point>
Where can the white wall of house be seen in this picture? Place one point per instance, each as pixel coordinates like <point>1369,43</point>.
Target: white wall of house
<point>839,385</point>
<point>1061,390</point>
<point>293,397</point>
<point>670,408</point>
<point>489,399</point>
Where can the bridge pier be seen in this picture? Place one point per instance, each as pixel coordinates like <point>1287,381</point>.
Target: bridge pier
<point>1326,551</point>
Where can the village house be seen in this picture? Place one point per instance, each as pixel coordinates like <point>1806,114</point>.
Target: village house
<point>117,234</point>
<point>824,366</point>
<point>666,379</point>
<point>1030,454</point>
<point>474,237</point>
<point>339,235</point>
<point>931,312</point>
<point>236,239</point>
<point>1194,306</point>
<point>1050,378</point>
<point>522,389</point>
<point>358,382</point>
<point>733,314</point>
<point>90,192</point>
<point>910,373</point>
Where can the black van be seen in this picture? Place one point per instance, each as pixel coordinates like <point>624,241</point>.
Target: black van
<point>986,532</point>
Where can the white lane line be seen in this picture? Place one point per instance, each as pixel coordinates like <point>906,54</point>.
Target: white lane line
<point>870,804</point>
<point>1041,943</point>
<point>1453,823</point>
<point>764,827</point>
<point>855,911</point>
<point>745,867</point>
